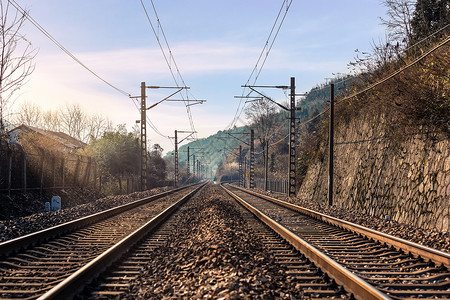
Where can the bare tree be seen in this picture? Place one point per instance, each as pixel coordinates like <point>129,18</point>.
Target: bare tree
<point>398,21</point>
<point>262,114</point>
<point>51,120</point>
<point>28,114</point>
<point>16,56</point>
<point>96,126</point>
<point>73,121</point>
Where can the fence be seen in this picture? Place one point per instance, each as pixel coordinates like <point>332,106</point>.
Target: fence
<point>21,171</point>
<point>279,185</point>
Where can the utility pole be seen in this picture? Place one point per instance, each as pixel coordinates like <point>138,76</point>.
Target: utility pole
<point>176,158</point>
<point>252,159</point>
<point>143,139</point>
<point>292,109</point>
<point>198,169</point>
<point>266,166</point>
<point>245,172</point>
<point>187,164</point>
<point>193,166</point>
<point>331,143</point>
<point>292,178</point>
<point>241,179</point>
<point>176,151</point>
<point>143,121</point>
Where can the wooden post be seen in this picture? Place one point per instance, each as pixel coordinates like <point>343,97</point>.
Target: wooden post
<point>54,171</point>
<point>24,173</point>
<point>95,174</point>
<point>77,170</point>
<point>42,174</point>
<point>62,171</point>
<point>9,174</point>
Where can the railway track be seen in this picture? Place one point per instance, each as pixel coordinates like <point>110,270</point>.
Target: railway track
<point>308,279</point>
<point>320,260</point>
<point>370,264</point>
<point>33,264</point>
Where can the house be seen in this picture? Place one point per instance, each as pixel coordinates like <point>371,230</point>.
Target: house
<point>64,142</point>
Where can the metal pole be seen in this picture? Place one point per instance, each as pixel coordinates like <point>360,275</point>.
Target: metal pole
<point>266,158</point>
<point>143,139</point>
<point>193,166</point>
<point>331,144</point>
<point>176,158</point>
<point>241,179</point>
<point>9,173</point>
<point>245,172</point>
<point>24,172</point>
<point>291,173</point>
<point>252,159</point>
<point>188,167</point>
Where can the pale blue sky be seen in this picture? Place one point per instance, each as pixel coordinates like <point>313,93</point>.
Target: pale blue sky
<point>215,44</point>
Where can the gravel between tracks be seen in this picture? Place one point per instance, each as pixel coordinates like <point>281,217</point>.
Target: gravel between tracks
<point>10,229</point>
<point>212,254</point>
<point>426,237</point>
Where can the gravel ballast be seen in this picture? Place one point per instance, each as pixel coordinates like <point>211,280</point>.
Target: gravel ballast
<point>14,228</point>
<point>425,237</point>
<point>212,253</point>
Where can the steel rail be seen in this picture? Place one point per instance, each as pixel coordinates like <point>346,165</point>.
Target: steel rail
<point>354,284</point>
<point>25,241</point>
<point>436,256</point>
<point>75,282</point>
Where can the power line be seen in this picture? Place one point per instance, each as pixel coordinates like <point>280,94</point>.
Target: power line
<point>396,72</point>
<point>48,35</point>
<point>171,58</point>
<point>239,109</point>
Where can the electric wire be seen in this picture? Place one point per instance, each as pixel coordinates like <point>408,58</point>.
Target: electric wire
<point>167,59</point>
<point>396,72</point>
<point>240,109</point>
<point>188,109</point>
<point>48,35</point>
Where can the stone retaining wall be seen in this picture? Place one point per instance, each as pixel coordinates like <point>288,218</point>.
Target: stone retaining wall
<point>409,181</point>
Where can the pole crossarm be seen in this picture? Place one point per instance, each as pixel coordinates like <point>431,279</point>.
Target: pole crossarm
<point>231,134</point>
<point>268,98</point>
<point>190,133</point>
<point>197,101</point>
<point>151,106</point>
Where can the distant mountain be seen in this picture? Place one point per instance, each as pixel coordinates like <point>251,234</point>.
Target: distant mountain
<point>211,150</point>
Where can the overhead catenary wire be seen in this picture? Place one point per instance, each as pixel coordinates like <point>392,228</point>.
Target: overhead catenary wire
<point>386,78</point>
<point>171,57</point>
<point>241,107</point>
<point>71,55</point>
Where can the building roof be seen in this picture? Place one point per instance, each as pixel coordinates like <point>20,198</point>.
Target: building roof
<point>64,139</point>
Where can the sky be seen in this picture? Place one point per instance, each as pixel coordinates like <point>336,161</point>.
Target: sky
<point>215,45</point>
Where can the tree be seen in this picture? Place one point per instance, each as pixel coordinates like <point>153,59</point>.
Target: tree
<point>398,21</point>
<point>429,16</point>
<point>74,121</point>
<point>16,57</point>
<point>157,170</point>
<point>51,120</point>
<point>262,114</point>
<point>117,153</point>
<point>29,114</point>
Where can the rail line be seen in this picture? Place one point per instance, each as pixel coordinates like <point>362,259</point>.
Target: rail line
<point>308,278</point>
<point>33,264</point>
<point>370,264</point>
